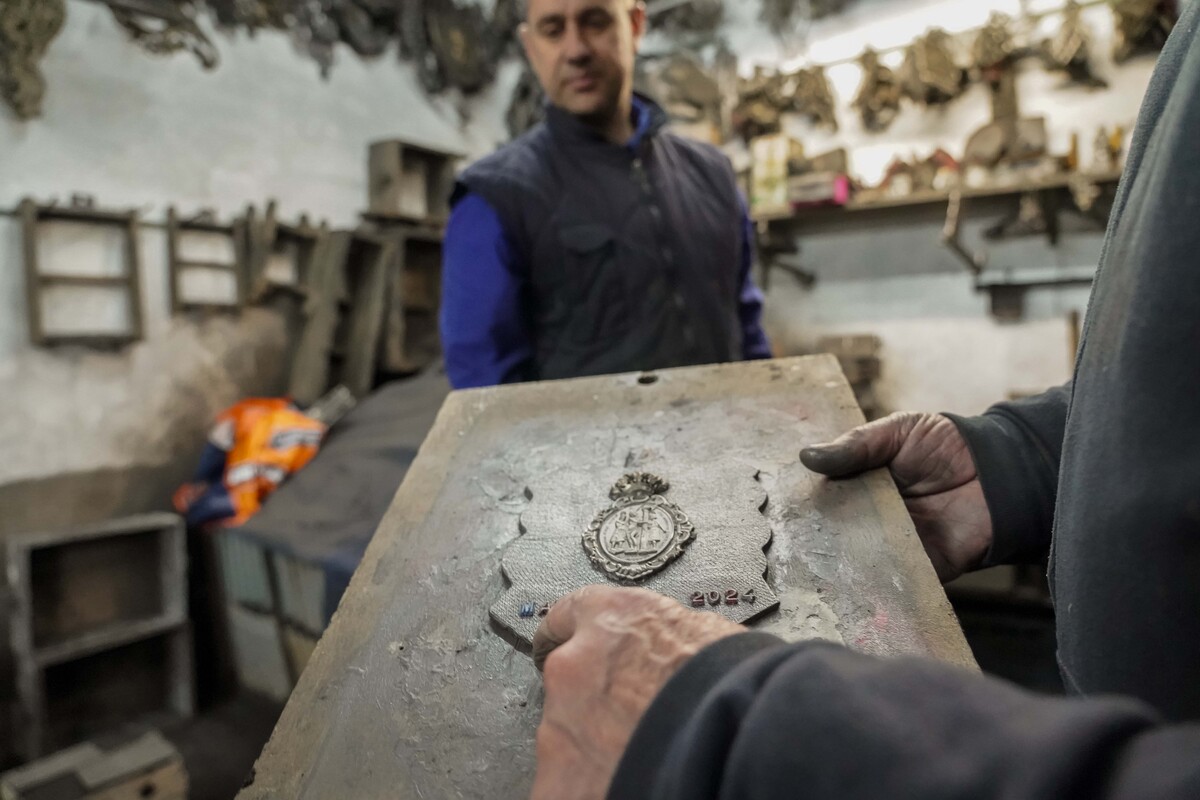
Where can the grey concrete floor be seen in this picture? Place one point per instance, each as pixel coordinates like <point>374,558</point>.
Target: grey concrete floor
<point>219,746</point>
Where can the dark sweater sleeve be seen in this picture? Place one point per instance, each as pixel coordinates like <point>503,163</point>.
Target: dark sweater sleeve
<point>1017,447</point>
<point>752,718</point>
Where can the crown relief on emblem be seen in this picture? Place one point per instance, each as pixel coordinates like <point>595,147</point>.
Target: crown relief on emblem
<point>641,532</point>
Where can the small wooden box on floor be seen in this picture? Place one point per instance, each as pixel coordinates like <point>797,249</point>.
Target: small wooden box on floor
<point>414,691</point>
<point>141,766</point>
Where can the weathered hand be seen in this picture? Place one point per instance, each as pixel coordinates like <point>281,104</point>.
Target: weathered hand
<point>605,653</point>
<point>933,469</point>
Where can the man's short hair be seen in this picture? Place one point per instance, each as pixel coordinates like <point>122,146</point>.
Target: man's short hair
<point>523,7</point>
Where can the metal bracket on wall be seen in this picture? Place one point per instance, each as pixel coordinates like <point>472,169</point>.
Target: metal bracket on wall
<point>162,27</point>
<point>952,238</point>
<point>773,246</point>
<point>1038,214</point>
<point>38,281</point>
<point>203,224</point>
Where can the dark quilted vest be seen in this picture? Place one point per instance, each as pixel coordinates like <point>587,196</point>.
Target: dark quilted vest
<point>633,258</point>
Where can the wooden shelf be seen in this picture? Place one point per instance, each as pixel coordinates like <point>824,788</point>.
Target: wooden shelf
<point>68,214</point>
<point>926,198</point>
<point>89,281</point>
<point>99,641</point>
<point>221,265</point>
<point>100,341</point>
<point>201,226</point>
<point>404,219</point>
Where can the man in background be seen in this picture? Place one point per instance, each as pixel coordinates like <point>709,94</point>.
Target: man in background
<point>598,242</point>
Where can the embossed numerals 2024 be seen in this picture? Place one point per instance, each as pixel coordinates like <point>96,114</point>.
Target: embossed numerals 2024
<point>729,597</point>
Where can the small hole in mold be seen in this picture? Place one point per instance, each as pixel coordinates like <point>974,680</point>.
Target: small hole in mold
<point>647,378</point>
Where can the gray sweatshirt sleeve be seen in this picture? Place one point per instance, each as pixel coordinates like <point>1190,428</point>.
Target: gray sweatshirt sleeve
<point>1017,447</point>
<point>751,718</point>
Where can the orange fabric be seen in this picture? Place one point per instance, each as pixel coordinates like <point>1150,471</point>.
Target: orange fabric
<point>271,441</point>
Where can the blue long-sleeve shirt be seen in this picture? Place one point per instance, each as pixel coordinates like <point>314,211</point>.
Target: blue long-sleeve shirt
<point>486,327</point>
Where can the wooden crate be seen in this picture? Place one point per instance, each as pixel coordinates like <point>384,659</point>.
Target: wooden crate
<point>410,336</point>
<point>274,611</point>
<point>410,182</point>
<point>130,767</point>
<point>98,627</point>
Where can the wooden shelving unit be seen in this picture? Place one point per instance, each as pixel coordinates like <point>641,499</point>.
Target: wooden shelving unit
<point>928,198</point>
<point>99,630</point>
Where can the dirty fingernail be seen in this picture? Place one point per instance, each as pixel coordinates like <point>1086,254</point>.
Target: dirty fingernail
<point>820,457</point>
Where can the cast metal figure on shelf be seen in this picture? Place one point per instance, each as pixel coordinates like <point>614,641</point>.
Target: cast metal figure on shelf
<point>26,29</point>
<point>1108,148</point>
<point>878,98</point>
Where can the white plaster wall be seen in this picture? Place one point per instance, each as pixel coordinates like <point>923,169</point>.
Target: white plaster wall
<point>137,130</point>
<point>942,350</point>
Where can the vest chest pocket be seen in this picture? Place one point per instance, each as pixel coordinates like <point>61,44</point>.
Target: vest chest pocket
<point>592,302</point>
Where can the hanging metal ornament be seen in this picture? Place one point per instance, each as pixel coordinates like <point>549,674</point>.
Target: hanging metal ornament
<point>252,14</point>
<point>878,98</point>
<point>930,75</point>
<point>26,29</point>
<point>361,29</point>
<point>1142,25</point>
<point>760,104</point>
<point>502,30</point>
<point>528,105</point>
<point>788,20</point>
<point>811,95</point>
<point>994,46</point>
<point>316,32</point>
<point>1069,50</point>
<point>163,27</point>
<point>696,19</point>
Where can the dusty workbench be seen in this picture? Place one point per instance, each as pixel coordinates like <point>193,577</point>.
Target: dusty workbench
<point>415,691</point>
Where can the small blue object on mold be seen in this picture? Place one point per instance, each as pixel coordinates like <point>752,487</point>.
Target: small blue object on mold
<point>527,610</point>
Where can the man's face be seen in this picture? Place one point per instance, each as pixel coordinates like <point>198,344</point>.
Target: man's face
<point>583,51</point>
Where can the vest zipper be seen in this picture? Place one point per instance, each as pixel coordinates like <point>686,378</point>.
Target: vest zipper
<point>643,181</point>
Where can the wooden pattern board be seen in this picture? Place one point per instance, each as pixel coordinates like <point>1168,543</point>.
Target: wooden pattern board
<point>414,692</point>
